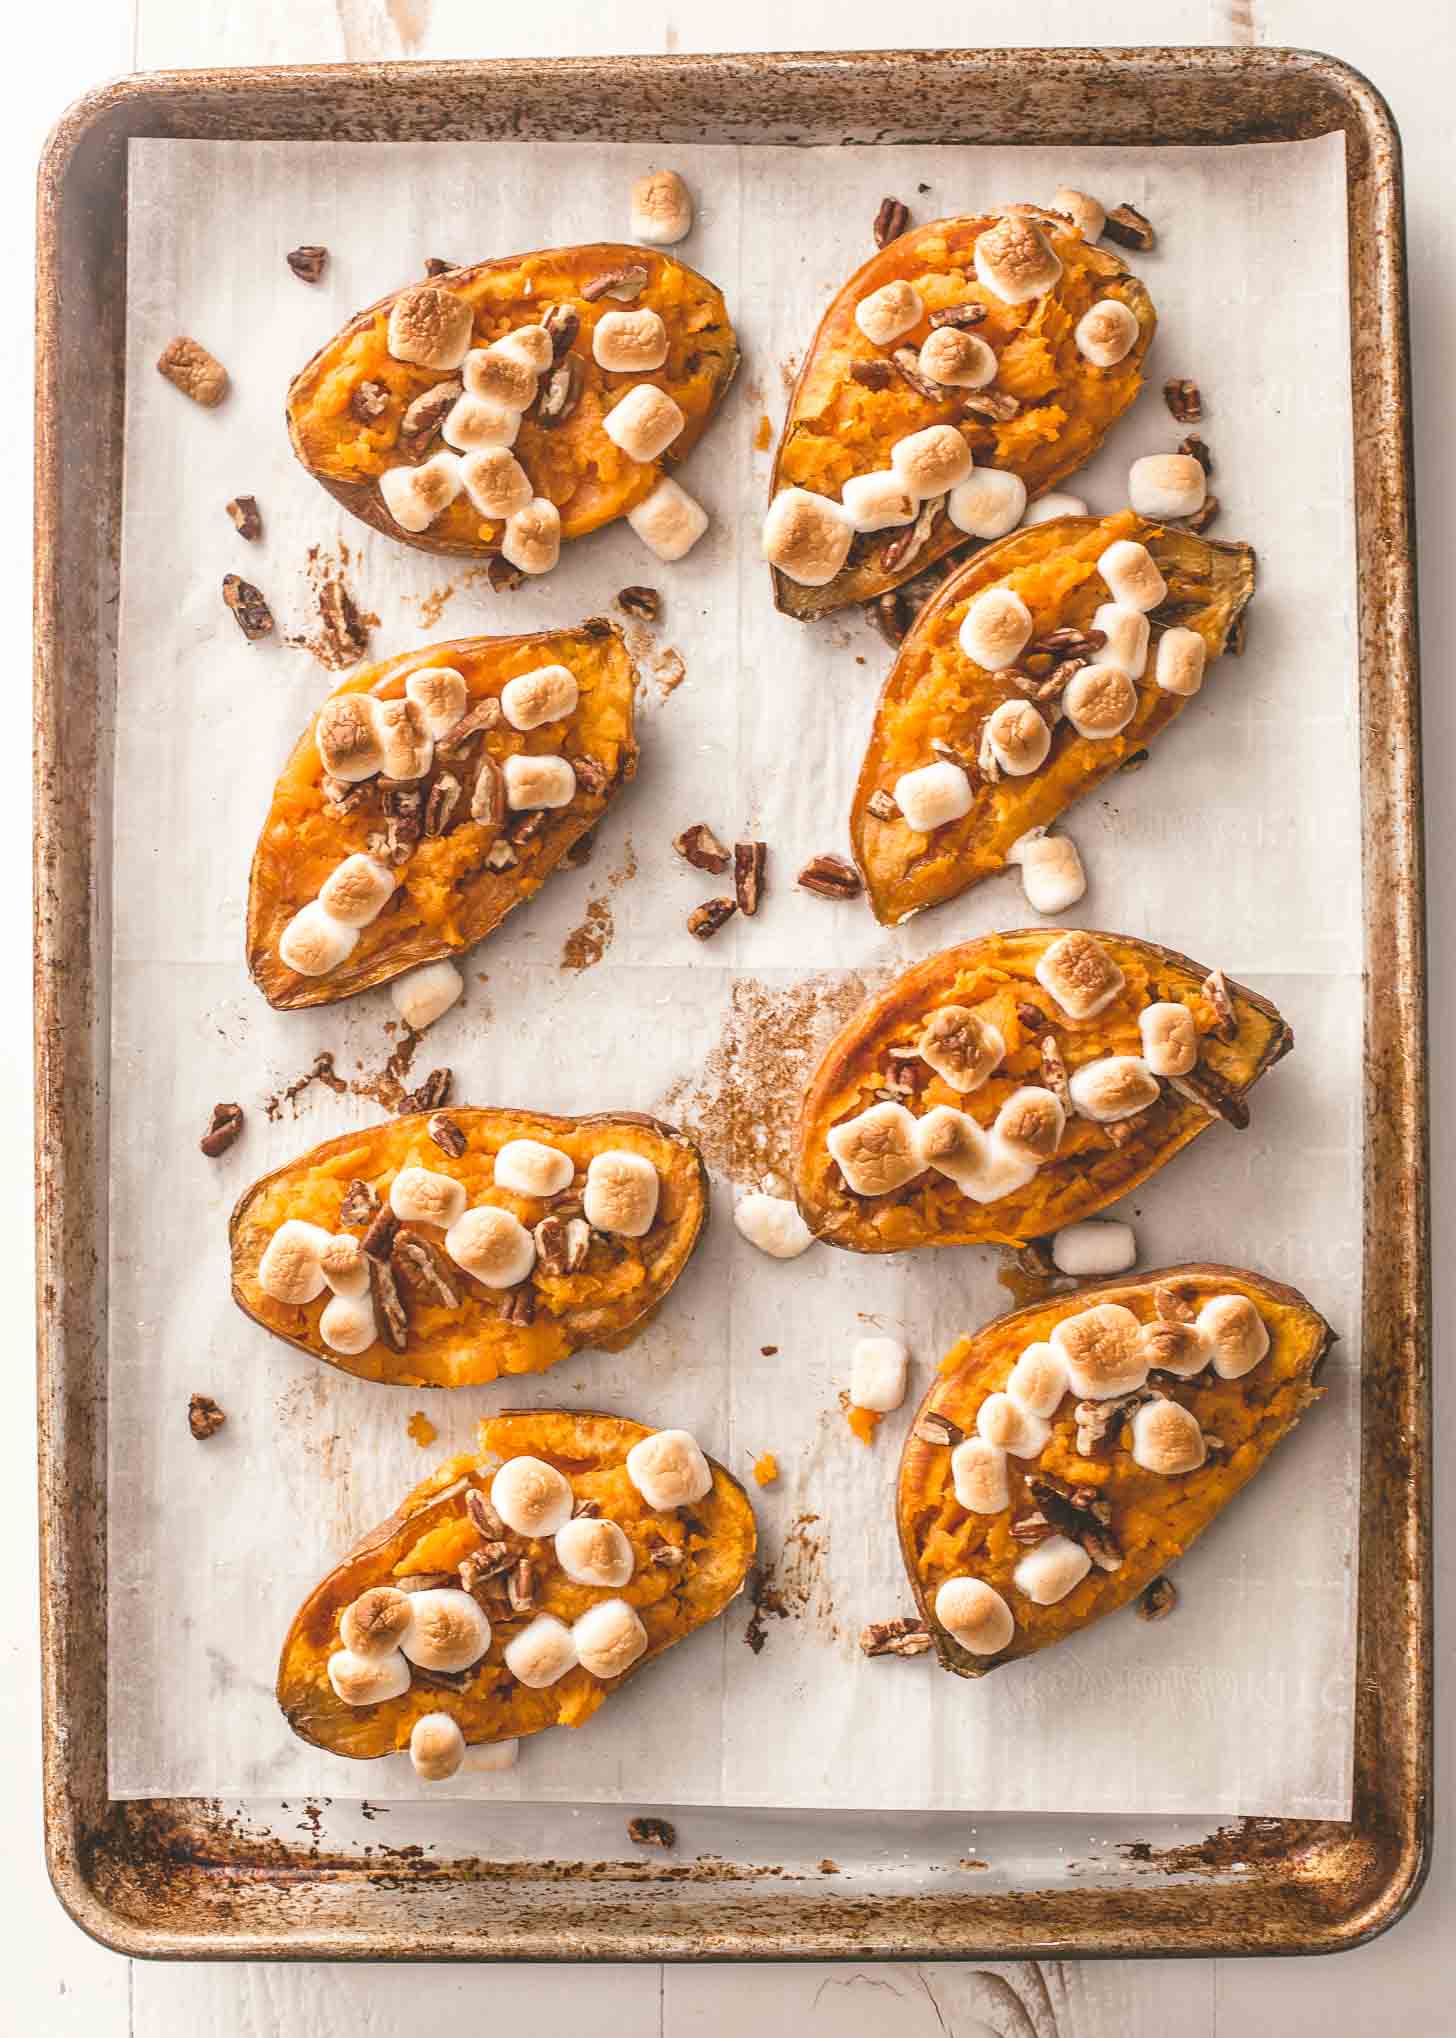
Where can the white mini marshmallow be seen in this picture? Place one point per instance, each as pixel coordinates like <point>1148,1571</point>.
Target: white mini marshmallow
<point>420,1196</point>
<point>981,1167</point>
<point>346,739</point>
<point>594,1552</point>
<point>527,1167</point>
<point>499,375</point>
<point>1015,261</point>
<point>1182,655</point>
<point>1167,485</point>
<point>314,942</point>
<point>1051,1570</point>
<point>974,1615</point>
<point>1132,575</point>
<point>547,694</point>
<point>479,424</point>
<point>530,344</point>
<point>291,1269</point>
<point>1038,1380</point>
<point>345,1265</point>
<point>1235,1333</point>
<point>415,496</point>
<point>1086,215</point>
<point>1114,1087</point>
<point>437,1747</point>
<point>1011,1427</point>
<point>957,359</point>
<point>662,209</point>
<point>532,536</point>
<point>404,740</point>
<point>996,628</point>
<point>1104,1352</point>
<point>978,1475</point>
<point>441,695</point>
<point>876,1152</point>
<point>1018,737</point>
<point>357,890</point>
<point>542,1653</point>
<point>933,795</point>
<point>773,1224</point>
<point>368,1680</point>
<point>806,536</point>
<point>1080,975</point>
<point>496,482</point>
<point>534,782</point>
<point>1099,701</point>
<point>629,342</point>
<point>1052,876</point>
<point>1170,1039</point>
<point>669,1470</point>
<point>932,462</point>
<point>1096,1246</point>
<point>1107,333</point>
<point>1126,631</point>
<point>961,1046</point>
<point>492,1245</point>
<point>429,326</point>
<point>609,1638</point>
<point>1030,1124</point>
<point>1048,507</point>
<point>988,503</point>
<point>668,521</point>
<point>531,1497</point>
<point>347,1324</point>
<point>644,423</point>
<point>621,1193</point>
<point>888,313</point>
<point>878,501</point>
<point>878,1372</point>
<point>449,1631</point>
<point>1166,1439</point>
<point>426,994</point>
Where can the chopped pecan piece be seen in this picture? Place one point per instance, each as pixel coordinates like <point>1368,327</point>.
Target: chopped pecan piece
<point>904,545</point>
<point>560,391</point>
<point>872,374</point>
<point>1208,1090</point>
<point>308,264</point>
<point>431,1094</point>
<point>959,315</point>
<point>254,617</point>
<point>1238,635</point>
<point>1225,1019</point>
<point>1097,1421</point>
<point>194,371</point>
<point>1202,517</point>
<point>1196,449</point>
<point>444,798</point>
<point>1184,399</point>
<point>934,1428</point>
<point>749,861</point>
<point>1030,1529</point>
<point>644,602</point>
<point>500,856</point>
<point>1054,1071</point>
<point>906,363</point>
<point>989,403</point>
<point>700,847</point>
<point>484,716</point>
<point>519,1305</point>
<point>831,877</point>
<point>389,1309</point>
<point>1069,643</point>
<point>345,637</point>
<point>526,827</point>
<point>1030,1016</point>
<point>1123,1132</point>
<point>417,1261</point>
<point>705,920</point>
<point>1102,1549</point>
<point>204,1417</point>
<point>890,221</point>
<point>626,284</point>
<point>447,1135</point>
<point>521,1585</point>
<point>446,1680</point>
<point>425,416</point>
<point>904,1636</point>
<point>890,615</point>
<point>368,401</point>
<point>342,799</point>
<point>551,1246</point>
<point>488,795</point>
<point>592,777</point>
<point>223,1128</point>
<point>501,575</point>
<point>378,1241</point>
<point>436,265</point>
<point>882,805</point>
<point>578,1243</point>
<point>484,1515</point>
<point>1157,1600</point>
<point>1127,226</point>
<point>663,1555</point>
<point>652,1832</point>
<point>585,1510</point>
<point>244,511</point>
<point>361,1203</point>
<point>563,322</point>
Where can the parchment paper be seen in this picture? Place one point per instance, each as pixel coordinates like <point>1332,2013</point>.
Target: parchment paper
<point>1238,844</point>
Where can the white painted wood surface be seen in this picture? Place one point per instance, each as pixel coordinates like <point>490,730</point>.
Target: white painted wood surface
<point>58,1984</point>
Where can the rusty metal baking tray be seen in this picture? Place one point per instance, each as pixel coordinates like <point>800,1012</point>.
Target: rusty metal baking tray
<point>204,1880</point>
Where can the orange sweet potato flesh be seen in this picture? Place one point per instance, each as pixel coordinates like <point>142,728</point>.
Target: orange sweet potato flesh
<point>573,464</point>
<point>449,896</point>
<point>995,977</point>
<point>432,1532</point>
<point>601,1306</point>
<point>935,691</point>
<point>1154,1517</point>
<point>837,427</point>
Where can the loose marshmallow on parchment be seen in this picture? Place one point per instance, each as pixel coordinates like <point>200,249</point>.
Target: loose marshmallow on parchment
<point>888,313</point>
<point>1107,333</point>
<point>291,1268</point>
<point>1039,1380</point>
<point>1096,1246</point>
<point>933,795</point>
<point>314,942</point>
<point>441,695</point>
<point>1114,1087</point>
<point>531,1497</point>
<point>806,536</point>
<point>1126,631</point>
<point>377,1621</point>
<point>404,740</point>
<point>345,1265</point>
<point>1052,877</point>
<point>961,1046</point>
<point>1047,1573</point>
<point>1235,1334</point>
<point>1170,1038</point>
<point>1132,575</point>
<point>420,1196</point>
<point>426,994</point>
<point>1012,1427</point>
<point>548,694</point>
<point>957,359</point>
<point>500,375</point>
<point>492,1245</point>
<point>988,503</point>
<point>644,423</point>
<point>974,1615</point>
<point>668,521</point>
<point>430,327</point>
<point>1018,738</point>
<point>621,1193</point>
<point>1048,507</point>
<point>1099,702</point>
<point>669,1470</point>
<point>1015,261</point>
<point>368,1680</point>
<point>480,424</point>
<point>357,890</point>
<point>594,1552</point>
<point>1166,1439</point>
<point>534,782</point>
<point>532,536</point>
<point>876,1152</point>
<point>995,629</point>
<point>1080,975</point>
<point>415,496</point>
<point>878,501</point>
<point>662,209</point>
<point>449,1631</point>
<point>629,342</point>
<point>496,482</point>
<point>346,739</point>
<point>878,1371</point>
<point>774,1224</point>
<point>1030,1124</point>
<point>931,462</point>
<point>609,1638</point>
<point>981,1167</point>
<point>541,1654</point>
<point>1086,215</point>
<point>528,1167</point>
<point>437,1747</point>
<point>1182,655</point>
<point>347,1324</point>
<point>1167,485</point>
<point>978,1475</point>
<point>1103,1350</point>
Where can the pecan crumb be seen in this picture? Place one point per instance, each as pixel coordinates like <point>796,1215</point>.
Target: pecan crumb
<point>1176,1302</point>
<point>882,805</point>
<point>705,920</point>
<point>1157,1600</point>
<point>1196,449</point>
<point>1125,1131</point>
<point>1030,1529</point>
<point>418,1261</point>
<point>244,511</point>
<point>644,602</point>
<point>749,862</point>
<point>665,1556</point>
<point>652,1832</point>
<point>934,1428</point>
<point>1184,399</point>
<point>831,877</point>
<point>431,1094</point>
<point>436,265</point>
<point>255,618</point>
<point>223,1128</point>
<point>701,848</point>
<point>204,1417</point>
<point>904,1636</point>
<point>872,374</point>
<point>501,575</point>
<point>360,1205</point>
<point>194,371</point>
<point>489,1561</point>
<point>891,221</point>
<point>1129,228</point>
<point>446,1134</point>
<point>308,264</point>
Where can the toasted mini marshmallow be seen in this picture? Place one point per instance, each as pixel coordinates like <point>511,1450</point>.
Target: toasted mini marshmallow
<point>996,628</point>
<point>368,1680</point>
<point>629,342</point>
<point>542,1653</point>
<point>669,1470</point>
<point>958,359</point>
<point>314,942</point>
<point>961,1047</point>
<point>492,1245</point>
<point>621,1193</point>
<point>404,739</point>
<point>1107,333</point>
<point>345,738</point>
<point>933,795</point>
<point>974,1615</point>
<point>1050,1570</point>
<point>1048,507</point>
<point>1012,1427</point>
<point>1015,260</point>
<point>346,1269</point>
<point>532,536</point>
<point>662,209</point>
<point>420,1196</point>
<point>533,782</point>
<point>499,375</point>
<point>449,1631</point>
<point>1038,1380</point>
<point>1103,1350</point>
<point>1052,877</point>
<point>1030,1124</point>
<point>377,1621</point>
<point>978,1475</point>
<point>644,423</point>
<point>931,462</point>
<point>496,482</point>
<point>1098,1246</point>
<point>548,694</point>
<point>888,312</point>
<point>1114,1087</point>
<point>1080,975</point>
<point>1126,631</point>
<point>426,994</point>
<point>594,1552</point>
<point>609,1638</point>
<point>668,521</point>
<point>1017,737</point>
<point>1086,215</point>
<point>531,1497</point>
<point>877,1151</point>
<point>1167,485</point>
<point>291,1269</point>
<point>527,1167</point>
<point>878,1372</point>
<point>1131,574</point>
<point>1174,1348</point>
<point>347,1324</point>
<point>877,502</point>
<point>531,344</point>
<point>773,1224</point>
<point>429,326</point>
<point>806,536</point>
<point>441,695</point>
<point>1170,1039</point>
<point>480,424</point>
<point>437,1747</point>
<point>1182,655</point>
<point>1235,1334</point>
<point>982,1168</point>
<point>988,504</point>
<point>1099,702</point>
<point>1166,1439</point>
<point>415,496</point>
<point>357,890</point>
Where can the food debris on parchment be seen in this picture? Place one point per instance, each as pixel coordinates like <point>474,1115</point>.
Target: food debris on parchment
<point>420,1430</point>
<point>763,434</point>
<point>384,1086</point>
<point>766,1468</point>
<point>863,1421</point>
<point>432,605</point>
<point>792,1584</point>
<point>588,942</point>
<point>342,634</point>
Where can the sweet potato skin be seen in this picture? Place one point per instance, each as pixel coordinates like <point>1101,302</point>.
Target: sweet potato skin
<point>1155,1518</point>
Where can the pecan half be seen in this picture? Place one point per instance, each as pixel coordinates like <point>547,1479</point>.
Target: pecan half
<point>488,795</point>
<point>425,416</point>
<point>204,1417</point>
<point>652,1832</point>
<point>1157,1600</point>
<point>254,617</point>
<point>485,715</point>
<point>447,1135</point>
<point>308,264</point>
<point>563,322</point>
<point>560,391</point>
<point>959,315</point>
<point>625,284</point>
<point>890,221</point>
<point>489,1561</point>
<point>519,1305</point>
<point>899,550</point>
<point>389,1309</point>
<point>872,374</point>
<point>989,403</point>
<point>244,511</point>
<point>378,1241</point>
<point>644,602</point>
<point>1054,1071</point>
<point>1030,1016</point>
<point>882,805</point>
<point>443,799</point>
<point>431,1094</point>
<point>831,877</point>
<point>705,920</point>
<point>551,1246</point>
<point>1068,643</point>
<point>934,1428</point>
<point>521,1586</point>
<point>904,1636</point>
<point>484,1515</point>
<point>1097,1421</point>
<point>906,363</point>
<point>1129,228</point>
<point>1211,1093</point>
<point>223,1128</point>
<point>700,847</point>
<point>749,862</point>
<point>417,1261</point>
<point>361,1203</point>
<point>1196,449</point>
<point>578,1243</point>
<point>194,371</point>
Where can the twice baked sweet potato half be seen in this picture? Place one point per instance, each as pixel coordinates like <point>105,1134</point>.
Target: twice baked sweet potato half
<point>443,1249</point>
<point>428,797</point>
<point>476,414</point>
<point>974,362</point>
<point>518,1587</point>
<point>1068,1453</point>
<point>1011,1085</point>
<point>1117,616</point>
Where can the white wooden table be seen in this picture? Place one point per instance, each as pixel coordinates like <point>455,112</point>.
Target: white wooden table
<point>58,1984</point>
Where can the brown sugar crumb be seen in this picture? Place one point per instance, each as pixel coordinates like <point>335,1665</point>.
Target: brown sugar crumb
<point>194,371</point>
<point>204,1417</point>
<point>765,1468</point>
<point>420,1430</point>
